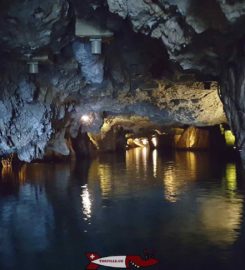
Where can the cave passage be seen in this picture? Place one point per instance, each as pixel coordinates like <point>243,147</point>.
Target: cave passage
<point>122,132</point>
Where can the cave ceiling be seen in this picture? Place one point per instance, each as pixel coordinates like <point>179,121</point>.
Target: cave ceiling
<point>163,62</point>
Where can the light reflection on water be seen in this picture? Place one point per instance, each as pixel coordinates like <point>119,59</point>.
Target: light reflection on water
<point>220,218</point>
<point>154,163</point>
<point>231,177</point>
<point>86,202</point>
<point>181,204</point>
<point>105,176</point>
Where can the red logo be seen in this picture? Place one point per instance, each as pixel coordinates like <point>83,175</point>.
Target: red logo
<point>126,261</point>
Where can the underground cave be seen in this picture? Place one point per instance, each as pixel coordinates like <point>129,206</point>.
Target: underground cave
<point>122,135</point>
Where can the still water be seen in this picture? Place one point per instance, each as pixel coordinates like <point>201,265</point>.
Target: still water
<point>186,207</point>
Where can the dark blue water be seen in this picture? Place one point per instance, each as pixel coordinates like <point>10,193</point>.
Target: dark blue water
<point>188,208</point>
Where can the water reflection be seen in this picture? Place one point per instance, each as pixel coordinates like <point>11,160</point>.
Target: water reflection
<point>17,174</point>
<point>172,185</point>
<point>137,161</point>
<point>154,163</point>
<point>175,182</point>
<point>221,218</point>
<point>105,176</point>
<point>231,177</point>
<point>182,202</point>
<point>145,155</point>
<point>86,202</point>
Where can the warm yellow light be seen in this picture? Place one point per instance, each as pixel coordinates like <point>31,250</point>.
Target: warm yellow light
<point>144,141</point>
<point>154,141</point>
<point>229,138</point>
<point>145,153</point>
<point>138,142</point>
<point>231,178</point>
<point>221,218</point>
<point>192,139</point>
<point>171,186</point>
<point>7,162</point>
<point>22,174</point>
<point>105,175</point>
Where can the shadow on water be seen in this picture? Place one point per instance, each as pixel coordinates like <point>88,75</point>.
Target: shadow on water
<point>188,206</point>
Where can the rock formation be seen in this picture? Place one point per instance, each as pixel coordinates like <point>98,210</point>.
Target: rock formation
<point>166,63</point>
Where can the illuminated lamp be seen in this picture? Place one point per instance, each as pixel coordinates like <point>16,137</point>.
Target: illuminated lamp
<point>85,118</point>
<point>229,138</point>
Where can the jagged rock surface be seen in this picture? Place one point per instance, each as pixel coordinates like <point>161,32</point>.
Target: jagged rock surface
<point>27,26</point>
<point>197,34</point>
<point>133,76</point>
<point>233,95</point>
<point>25,123</point>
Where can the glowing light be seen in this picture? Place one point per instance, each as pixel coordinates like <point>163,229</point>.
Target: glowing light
<point>174,182</point>
<point>138,142</point>
<point>136,159</point>
<point>85,118</point>
<point>145,153</point>
<point>6,166</point>
<point>172,188</point>
<point>229,138</point>
<point>6,172</point>
<point>191,160</point>
<point>86,202</point>
<point>154,141</point>
<point>144,141</point>
<point>7,162</point>
<point>192,139</point>
<point>92,138</point>
<point>130,142</point>
<point>154,161</point>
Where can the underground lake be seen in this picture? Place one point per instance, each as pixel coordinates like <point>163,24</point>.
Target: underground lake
<point>186,208</point>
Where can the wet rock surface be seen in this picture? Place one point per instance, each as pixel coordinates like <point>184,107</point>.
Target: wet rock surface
<point>232,95</point>
<point>160,64</point>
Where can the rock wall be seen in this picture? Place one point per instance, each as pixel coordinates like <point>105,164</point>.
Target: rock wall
<point>140,72</point>
<point>197,34</point>
<point>233,94</point>
<point>193,139</point>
